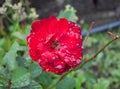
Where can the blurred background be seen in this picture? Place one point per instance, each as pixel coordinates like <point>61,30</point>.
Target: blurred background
<point>102,11</point>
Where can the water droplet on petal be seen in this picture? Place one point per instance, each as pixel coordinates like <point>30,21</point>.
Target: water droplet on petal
<point>29,39</point>
<point>77,44</point>
<point>66,59</point>
<point>47,70</point>
<point>78,61</point>
<point>39,60</point>
<point>53,58</point>
<point>59,67</point>
<point>70,29</point>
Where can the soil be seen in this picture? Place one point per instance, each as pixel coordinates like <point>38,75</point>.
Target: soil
<point>100,11</point>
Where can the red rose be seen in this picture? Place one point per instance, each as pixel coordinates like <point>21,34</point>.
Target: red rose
<point>55,44</point>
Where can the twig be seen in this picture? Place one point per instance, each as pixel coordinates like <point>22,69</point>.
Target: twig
<point>2,27</point>
<point>93,57</point>
<point>9,84</point>
<point>88,33</point>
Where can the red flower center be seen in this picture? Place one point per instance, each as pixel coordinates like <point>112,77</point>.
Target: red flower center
<point>55,45</point>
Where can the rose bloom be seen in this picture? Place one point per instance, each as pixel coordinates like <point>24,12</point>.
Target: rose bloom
<point>56,44</point>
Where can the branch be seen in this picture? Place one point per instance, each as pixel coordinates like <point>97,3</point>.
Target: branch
<point>2,27</point>
<point>93,57</point>
<point>88,33</point>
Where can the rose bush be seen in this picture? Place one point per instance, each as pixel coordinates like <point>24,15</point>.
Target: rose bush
<point>56,44</point>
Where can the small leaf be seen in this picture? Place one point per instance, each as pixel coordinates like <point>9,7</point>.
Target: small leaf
<point>22,48</point>
<point>45,79</point>
<point>3,77</point>
<point>116,72</point>
<point>18,35</point>
<point>35,70</point>
<point>4,72</point>
<point>2,53</point>
<point>2,41</point>
<point>66,83</point>
<point>102,84</point>
<point>10,57</point>
<point>35,85</point>
<point>69,13</point>
<point>22,61</point>
<point>80,78</point>
<point>3,81</point>
<point>21,78</point>
<point>90,77</point>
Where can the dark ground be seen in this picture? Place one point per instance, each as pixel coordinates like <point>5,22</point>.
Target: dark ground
<point>100,11</point>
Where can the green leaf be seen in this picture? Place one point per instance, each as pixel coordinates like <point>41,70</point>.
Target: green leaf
<point>45,79</point>
<point>18,35</point>
<point>21,78</point>
<point>4,77</point>
<point>102,84</point>
<point>4,72</point>
<point>3,81</point>
<point>90,77</point>
<point>80,78</point>
<point>35,70</point>
<point>116,72</point>
<point>66,83</point>
<point>35,85</point>
<point>2,52</point>
<point>10,57</point>
<point>22,48</point>
<point>2,41</point>
<point>69,13</point>
<point>22,61</point>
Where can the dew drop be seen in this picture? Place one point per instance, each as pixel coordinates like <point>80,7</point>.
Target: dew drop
<point>53,58</point>
<point>82,47</point>
<point>66,59</point>
<point>76,36</point>
<point>78,61</point>
<point>59,67</point>
<point>68,33</point>
<point>75,25</point>
<point>77,44</point>
<point>47,70</point>
<point>39,60</point>
<point>29,39</point>
<point>70,29</point>
<point>72,33</point>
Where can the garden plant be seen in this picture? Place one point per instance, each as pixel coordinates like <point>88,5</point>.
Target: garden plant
<point>51,53</point>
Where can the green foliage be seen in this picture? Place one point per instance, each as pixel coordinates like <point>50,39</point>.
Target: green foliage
<point>102,84</point>
<point>45,79</point>
<point>3,77</point>
<point>34,85</point>
<point>20,78</point>
<point>35,70</point>
<point>10,58</point>
<point>66,83</point>
<point>69,13</point>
